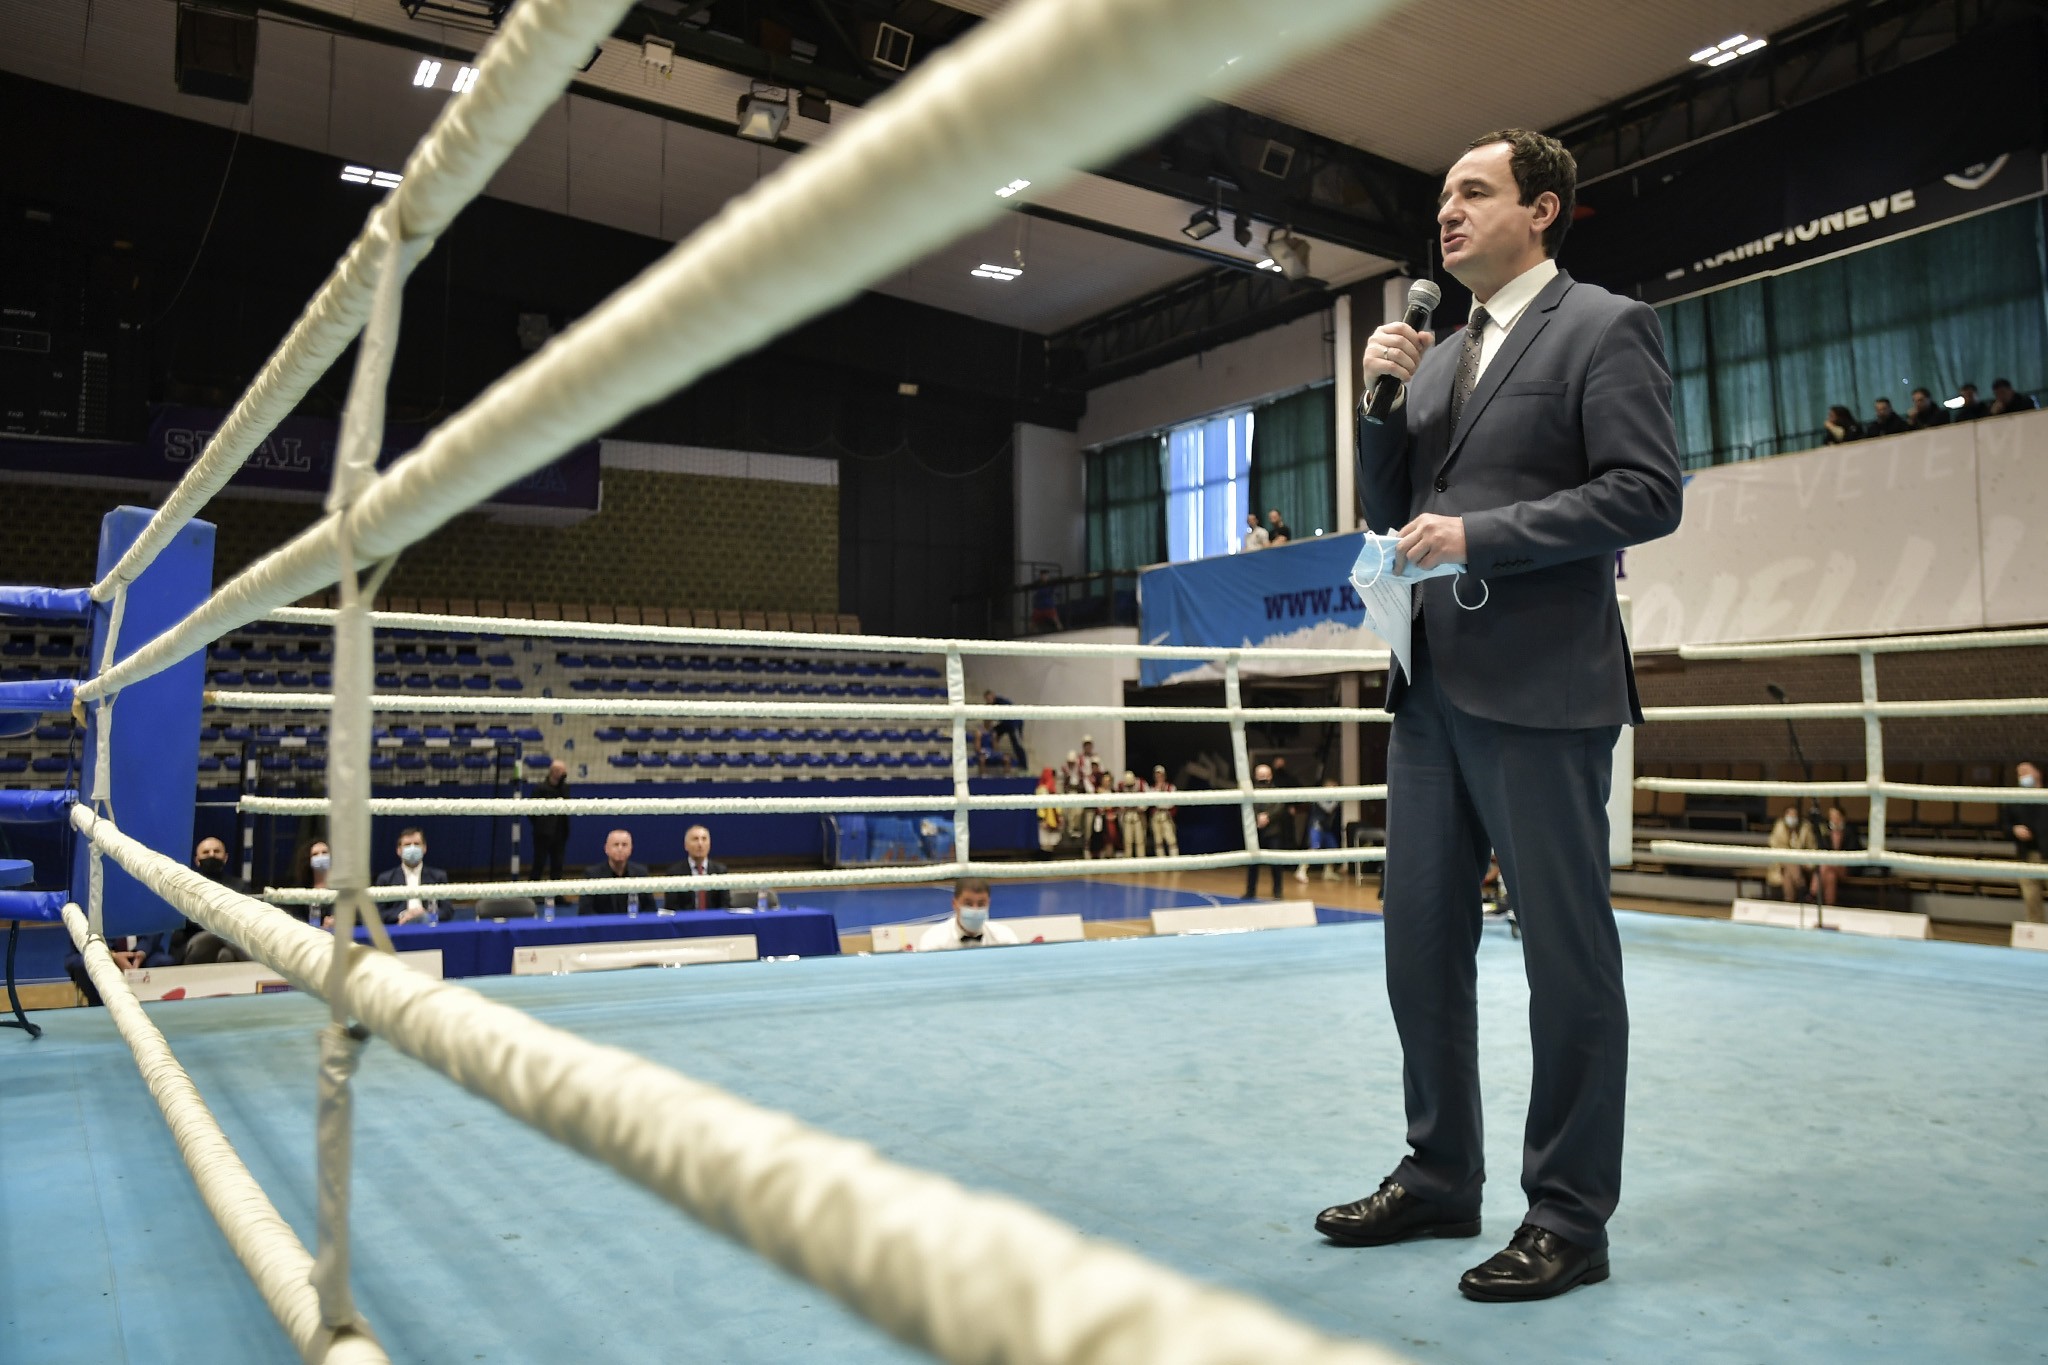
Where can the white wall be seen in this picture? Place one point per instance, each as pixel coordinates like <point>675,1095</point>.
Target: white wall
<point>1243,371</point>
<point>1050,523</point>
<point>1937,530</point>
<point>1064,682</point>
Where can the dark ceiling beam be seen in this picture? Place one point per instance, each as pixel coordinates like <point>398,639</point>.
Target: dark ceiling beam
<point>1814,57</point>
<point>1180,320</point>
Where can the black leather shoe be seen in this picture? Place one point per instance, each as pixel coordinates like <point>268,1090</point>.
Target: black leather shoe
<point>1393,1215</point>
<point>1537,1264</point>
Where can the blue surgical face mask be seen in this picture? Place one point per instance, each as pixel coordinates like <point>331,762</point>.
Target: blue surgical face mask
<point>322,861</point>
<point>973,918</point>
<point>2029,780</point>
<point>413,855</point>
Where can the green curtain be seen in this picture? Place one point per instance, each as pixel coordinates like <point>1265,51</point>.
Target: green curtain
<point>1756,366</point>
<point>1126,504</point>
<point>1294,459</point>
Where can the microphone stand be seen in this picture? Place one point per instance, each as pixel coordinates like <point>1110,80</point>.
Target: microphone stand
<point>1778,695</point>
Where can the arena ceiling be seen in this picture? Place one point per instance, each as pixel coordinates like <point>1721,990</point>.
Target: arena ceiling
<point>654,154</point>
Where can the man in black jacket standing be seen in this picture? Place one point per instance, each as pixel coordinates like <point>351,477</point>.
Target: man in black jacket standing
<point>1528,450</point>
<point>2022,822</point>
<point>550,832</point>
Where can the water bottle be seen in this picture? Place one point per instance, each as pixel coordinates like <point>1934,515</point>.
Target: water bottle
<point>760,902</point>
<point>433,912</point>
<point>633,906</point>
<point>547,909</point>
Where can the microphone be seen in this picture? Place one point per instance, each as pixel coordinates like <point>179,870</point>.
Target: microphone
<point>1423,297</point>
<point>1777,692</point>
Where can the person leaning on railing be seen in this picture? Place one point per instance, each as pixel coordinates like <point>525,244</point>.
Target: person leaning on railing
<point>1841,427</point>
<point>2020,822</point>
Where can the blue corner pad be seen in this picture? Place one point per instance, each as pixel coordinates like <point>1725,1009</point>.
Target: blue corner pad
<point>23,704</point>
<point>45,604</point>
<point>40,905</point>
<point>36,807</point>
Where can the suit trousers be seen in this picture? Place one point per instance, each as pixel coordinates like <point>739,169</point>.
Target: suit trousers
<point>1459,787</point>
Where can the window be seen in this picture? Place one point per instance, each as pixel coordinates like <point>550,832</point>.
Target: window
<point>1208,486</point>
<point>1123,505</point>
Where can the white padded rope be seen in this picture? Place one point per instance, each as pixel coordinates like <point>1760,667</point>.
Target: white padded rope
<point>1718,786</point>
<point>887,874</point>
<point>1045,86</point>
<point>1894,644</point>
<point>680,708</point>
<point>970,1277</point>
<point>779,805</point>
<point>530,627</point>
<point>1854,710</point>
<point>1963,869</point>
<point>520,73</point>
<point>268,1249</point>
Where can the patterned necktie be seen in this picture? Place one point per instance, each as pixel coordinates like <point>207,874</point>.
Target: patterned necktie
<point>1468,365</point>
<point>697,870</point>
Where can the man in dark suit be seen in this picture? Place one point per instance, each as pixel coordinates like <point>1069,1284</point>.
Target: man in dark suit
<point>1884,421</point>
<point>1530,449</point>
<point>618,862</point>
<point>697,844</point>
<point>412,870</point>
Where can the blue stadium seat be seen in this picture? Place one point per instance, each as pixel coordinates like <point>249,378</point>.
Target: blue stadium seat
<point>787,759</point>
<point>639,734</point>
<point>612,685</point>
<point>711,760</point>
<point>411,763</point>
<point>623,760</point>
<point>418,682</point>
<point>435,732</point>
<point>262,654</point>
<point>571,660</point>
<point>207,764</point>
<point>323,681</point>
<point>666,686</point>
<point>441,761</point>
<point>227,678</point>
<point>385,656</point>
<point>239,734</point>
<point>539,763</point>
<point>583,685</point>
<point>475,760</point>
<point>499,732</point>
<point>277,763</point>
<point>380,763</point>
<point>639,685</point>
<point>865,761</point>
<point>529,733</point>
<point>610,734</point>
<point>224,654</point>
<point>477,682</point>
<point>311,763</point>
<point>664,736</point>
<point>597,661</point>
<point>840,759</point>
<point>447,682</point>
<point>892,760</point>
<point>293,678</point>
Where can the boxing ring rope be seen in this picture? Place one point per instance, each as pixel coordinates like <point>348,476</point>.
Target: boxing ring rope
<point>1048,85</point>
<point>1873,713</point>
<point>268,1249</point>
<point>970,1277</point>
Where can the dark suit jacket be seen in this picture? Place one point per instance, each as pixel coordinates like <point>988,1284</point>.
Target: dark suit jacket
<point>429,876</point>
<point>615,904</point>
<point>1566,454</point>
<point>686,899</point>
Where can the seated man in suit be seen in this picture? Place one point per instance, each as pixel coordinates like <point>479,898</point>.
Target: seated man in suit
<point>618,862</point>
<point>697,844</point>
<point>970,926</point>
<point>412,870</point>
<point>193,944</point>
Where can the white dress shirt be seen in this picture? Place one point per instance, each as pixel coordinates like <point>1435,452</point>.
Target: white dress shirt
<point>412,878</point>
<point>946,935</point>
<point>1508,304</point>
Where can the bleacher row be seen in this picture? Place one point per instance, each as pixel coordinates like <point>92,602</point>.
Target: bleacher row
<point>1925,819</point>
<point>238,746</point>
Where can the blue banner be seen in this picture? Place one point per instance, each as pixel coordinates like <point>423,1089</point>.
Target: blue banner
<point>1298,595</point>
<point>298,456</point>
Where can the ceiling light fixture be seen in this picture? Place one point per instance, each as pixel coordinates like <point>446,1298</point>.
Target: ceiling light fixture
<point>764,113</point>
<point>1202,225</point>
<point>429,70</point>
<point>1270,264</point>
<point>464,79</point>
<point>1006,191</point>
<point>364,175</point>
<point>985,271</point>
<point>1728,49</point>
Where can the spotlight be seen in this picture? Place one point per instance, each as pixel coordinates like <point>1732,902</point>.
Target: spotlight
<point>1242,230</point>
<point>1006,191</point>
<point>764,113</point>
<point>464,79</point>
<point>1289,252</point>
<point>1202,225</point>
<point>429,71</point>
<point>658,53</point>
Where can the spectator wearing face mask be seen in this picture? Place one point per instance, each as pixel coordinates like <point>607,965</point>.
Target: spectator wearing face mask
<point>2021,822</point>
<point>194,945</point>
<point>969,926</point>
<point>1788,879</point>
<point>412,870</point>
<point>1836,836</point>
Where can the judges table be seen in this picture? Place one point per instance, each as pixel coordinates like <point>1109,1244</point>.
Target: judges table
<point>485,947</point>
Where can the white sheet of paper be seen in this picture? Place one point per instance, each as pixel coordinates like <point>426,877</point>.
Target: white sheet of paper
<point>1388,594</point>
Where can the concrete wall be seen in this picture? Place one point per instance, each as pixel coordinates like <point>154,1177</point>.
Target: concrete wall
<point>1064,682</point>
<point>1049,507</point>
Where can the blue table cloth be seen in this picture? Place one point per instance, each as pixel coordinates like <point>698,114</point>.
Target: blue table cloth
<point>485,947</point>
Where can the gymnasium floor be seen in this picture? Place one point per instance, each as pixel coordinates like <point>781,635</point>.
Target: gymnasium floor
<point>1835,1152</point>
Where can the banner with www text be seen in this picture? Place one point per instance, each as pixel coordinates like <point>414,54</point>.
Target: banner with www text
<point>1296,595</point>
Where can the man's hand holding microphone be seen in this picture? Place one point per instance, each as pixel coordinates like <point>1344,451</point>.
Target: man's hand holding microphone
<point>1392,355</point>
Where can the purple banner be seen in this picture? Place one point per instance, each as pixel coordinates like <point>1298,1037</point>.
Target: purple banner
<point>298,456</point>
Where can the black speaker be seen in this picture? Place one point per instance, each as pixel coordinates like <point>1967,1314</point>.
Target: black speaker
<point>216,51</point>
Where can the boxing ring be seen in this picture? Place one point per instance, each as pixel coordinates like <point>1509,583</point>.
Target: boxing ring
<point>594,1066</point>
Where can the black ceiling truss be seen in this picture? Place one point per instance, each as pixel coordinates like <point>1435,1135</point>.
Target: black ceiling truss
<point>1224,156</point>
<point>1192,315</point>
<point>824,47</point>
<point>1825,53</point>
